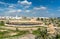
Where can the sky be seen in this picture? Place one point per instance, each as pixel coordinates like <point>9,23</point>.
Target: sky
<point>30,8</point>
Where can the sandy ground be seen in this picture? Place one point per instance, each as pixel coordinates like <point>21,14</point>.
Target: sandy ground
<point>28,36</point>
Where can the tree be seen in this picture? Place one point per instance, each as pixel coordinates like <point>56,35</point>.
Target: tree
<point>42,19</point>
<point>57,36</point>
<point>42,34</point>
<point>2,23</point>
<point>38,19</point>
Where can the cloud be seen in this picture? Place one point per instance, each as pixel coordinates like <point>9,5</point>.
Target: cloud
<point>43,8</point>
<point>40,8</point>
<point>58,10</point>
<point>25,2</point>
<point>19,10</point>
<point>4,3</point>
<point>23,7</point>
<point>11,6</point>
<point>47,11</point>
<point>26,6</point>
<point>27,11</point>
<point>13,11</point>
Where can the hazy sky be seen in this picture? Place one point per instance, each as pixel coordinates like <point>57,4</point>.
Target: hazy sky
<point>37,8</point>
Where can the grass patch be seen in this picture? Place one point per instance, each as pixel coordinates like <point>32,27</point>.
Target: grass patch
<point>5,34</point>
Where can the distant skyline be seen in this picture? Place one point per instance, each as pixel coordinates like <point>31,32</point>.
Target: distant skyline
<point>30,8</point>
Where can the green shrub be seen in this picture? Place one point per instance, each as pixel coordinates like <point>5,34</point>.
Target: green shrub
<point>2,23</point>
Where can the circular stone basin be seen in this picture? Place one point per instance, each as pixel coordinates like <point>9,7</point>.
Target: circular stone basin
<point>25,23</point>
